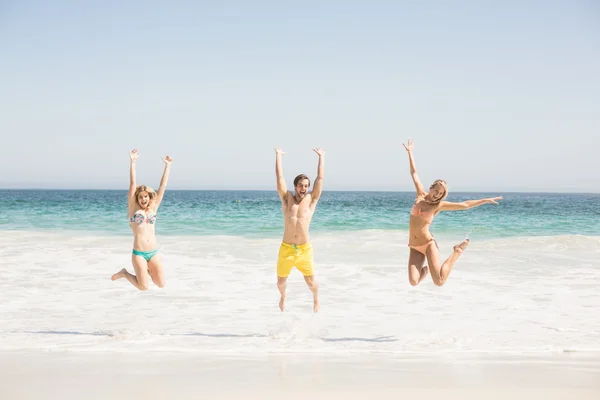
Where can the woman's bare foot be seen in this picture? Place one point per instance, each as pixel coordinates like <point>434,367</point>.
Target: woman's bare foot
<point>282,303</point>
<point>119,275</point>
<point>459,248</point>
<point>316,304</point>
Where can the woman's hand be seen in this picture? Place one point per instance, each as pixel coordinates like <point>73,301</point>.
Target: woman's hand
<point>409,146</point>
<point>493,200</point>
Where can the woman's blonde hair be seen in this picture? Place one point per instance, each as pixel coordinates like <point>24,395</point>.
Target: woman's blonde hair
<point>444,185</point>
<point>147,189</point>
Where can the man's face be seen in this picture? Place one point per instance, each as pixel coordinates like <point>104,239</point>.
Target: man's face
<point>301,188</point>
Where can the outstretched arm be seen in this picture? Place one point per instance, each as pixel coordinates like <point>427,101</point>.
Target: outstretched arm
<point>133,155</point>
<point>163,182</point>
<point>465,205</point>
<point>281,187</point>
<point>318,185</point>
<point>413,169</point>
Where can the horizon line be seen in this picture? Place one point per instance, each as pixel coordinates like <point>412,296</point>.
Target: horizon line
<point>274,190</point>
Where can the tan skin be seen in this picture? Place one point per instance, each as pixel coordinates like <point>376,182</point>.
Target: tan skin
<point>298,209</point>
<point>419,234</point>
<point>144,236</point>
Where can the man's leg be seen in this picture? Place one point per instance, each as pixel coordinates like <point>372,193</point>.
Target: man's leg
<point>281,283</point>
<point>304,263</point>
<point>314,288</point>
<point>285,262</point>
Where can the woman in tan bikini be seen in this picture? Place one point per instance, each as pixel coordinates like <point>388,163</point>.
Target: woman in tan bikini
<point>421,241</point>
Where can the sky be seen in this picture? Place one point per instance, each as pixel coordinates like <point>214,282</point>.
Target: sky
<point>498,96</point>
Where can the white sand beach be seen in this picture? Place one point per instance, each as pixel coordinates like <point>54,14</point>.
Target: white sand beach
<point>130,376</point>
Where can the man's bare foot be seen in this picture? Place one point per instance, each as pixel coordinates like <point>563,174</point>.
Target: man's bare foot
<point>282,303</point>
<point>316,305</point>
<point>459,248</point>
<point>119,275</point>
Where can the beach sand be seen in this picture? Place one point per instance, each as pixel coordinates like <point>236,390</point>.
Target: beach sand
<point>93,375</point>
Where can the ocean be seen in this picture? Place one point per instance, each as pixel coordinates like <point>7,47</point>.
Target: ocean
<point>527,283</point>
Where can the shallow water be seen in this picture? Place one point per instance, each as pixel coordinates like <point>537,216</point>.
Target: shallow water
<point>505,295</point>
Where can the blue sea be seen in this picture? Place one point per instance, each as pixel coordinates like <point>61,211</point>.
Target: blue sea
<point>527,283</point>
<point>258,213</point>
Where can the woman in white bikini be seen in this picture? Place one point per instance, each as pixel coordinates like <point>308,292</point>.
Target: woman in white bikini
<point>143,205</point>
<point>421,242</point>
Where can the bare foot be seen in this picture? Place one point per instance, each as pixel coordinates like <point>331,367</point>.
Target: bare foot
<point>282,303</point>
<point>119,275</point>
<point>459,248</point>
<point>316,305</point>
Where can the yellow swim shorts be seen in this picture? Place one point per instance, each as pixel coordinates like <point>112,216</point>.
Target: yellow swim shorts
<point>292,255</point>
